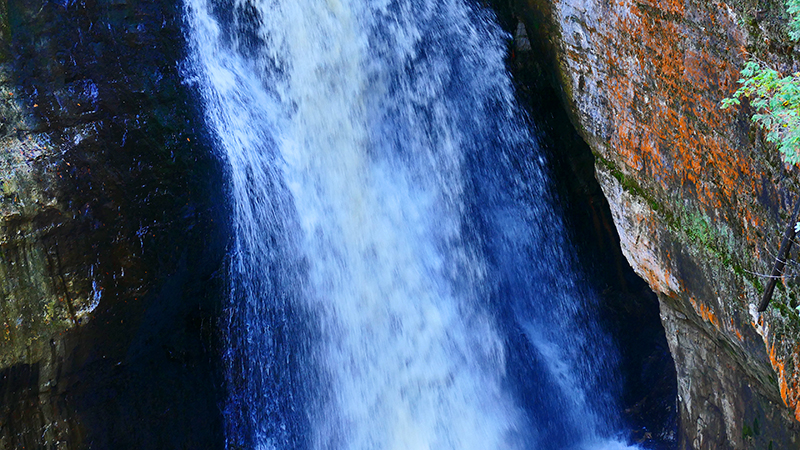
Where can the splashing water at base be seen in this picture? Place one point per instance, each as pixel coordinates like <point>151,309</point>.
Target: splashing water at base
<point>399,280</point>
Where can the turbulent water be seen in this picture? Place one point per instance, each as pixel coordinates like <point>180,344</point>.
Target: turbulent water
<point>399,279</point>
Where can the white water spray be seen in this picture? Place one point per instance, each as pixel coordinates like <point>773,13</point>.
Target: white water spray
<point>348,127</point>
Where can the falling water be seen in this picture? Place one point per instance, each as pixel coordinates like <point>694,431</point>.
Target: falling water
<point>399,279</point>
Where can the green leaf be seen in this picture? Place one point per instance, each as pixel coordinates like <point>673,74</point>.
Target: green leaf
<point>775,98</point>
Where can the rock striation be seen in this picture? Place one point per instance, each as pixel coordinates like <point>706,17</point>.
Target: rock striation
<point>700,202</point>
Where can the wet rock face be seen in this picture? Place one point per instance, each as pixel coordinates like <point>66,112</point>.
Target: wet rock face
<point>109,235</point>
<point>63,104</point>
<point>699,201</point>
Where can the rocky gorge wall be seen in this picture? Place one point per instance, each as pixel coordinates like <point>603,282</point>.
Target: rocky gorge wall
<point>699,201</point>
<point>108,239</point>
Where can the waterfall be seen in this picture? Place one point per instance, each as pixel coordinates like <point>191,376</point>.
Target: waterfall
<point>399,279</point>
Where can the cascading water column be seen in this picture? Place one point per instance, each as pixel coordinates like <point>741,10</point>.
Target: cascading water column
<point>363,142</point>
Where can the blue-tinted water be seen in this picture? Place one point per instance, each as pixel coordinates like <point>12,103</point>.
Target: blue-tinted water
<point>399,274</point>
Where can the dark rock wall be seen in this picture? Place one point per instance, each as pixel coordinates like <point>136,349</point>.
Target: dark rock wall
<point>112,232</point>
<point>699,201</point>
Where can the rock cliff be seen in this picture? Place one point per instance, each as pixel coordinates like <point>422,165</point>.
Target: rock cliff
<point>699,201</point>
<point>107,236</point>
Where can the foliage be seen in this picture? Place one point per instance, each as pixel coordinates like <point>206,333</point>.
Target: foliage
<point>793,8</point>
<point>777,102</point>
<point>776,98</point>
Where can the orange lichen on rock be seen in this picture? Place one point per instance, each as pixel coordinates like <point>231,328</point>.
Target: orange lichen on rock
<point>788,379</point>
<point>738,335</point>
<point>779,367</point>
<point>736,331</point>
<point>648,78</point>
<point>705,312</point>
<point>664,85</point>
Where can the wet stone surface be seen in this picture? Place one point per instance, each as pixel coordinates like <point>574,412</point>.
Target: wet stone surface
<point>113,232</point>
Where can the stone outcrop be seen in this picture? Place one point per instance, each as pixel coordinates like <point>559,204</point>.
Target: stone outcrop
<point>107,234</point>
<point>699,200</point>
